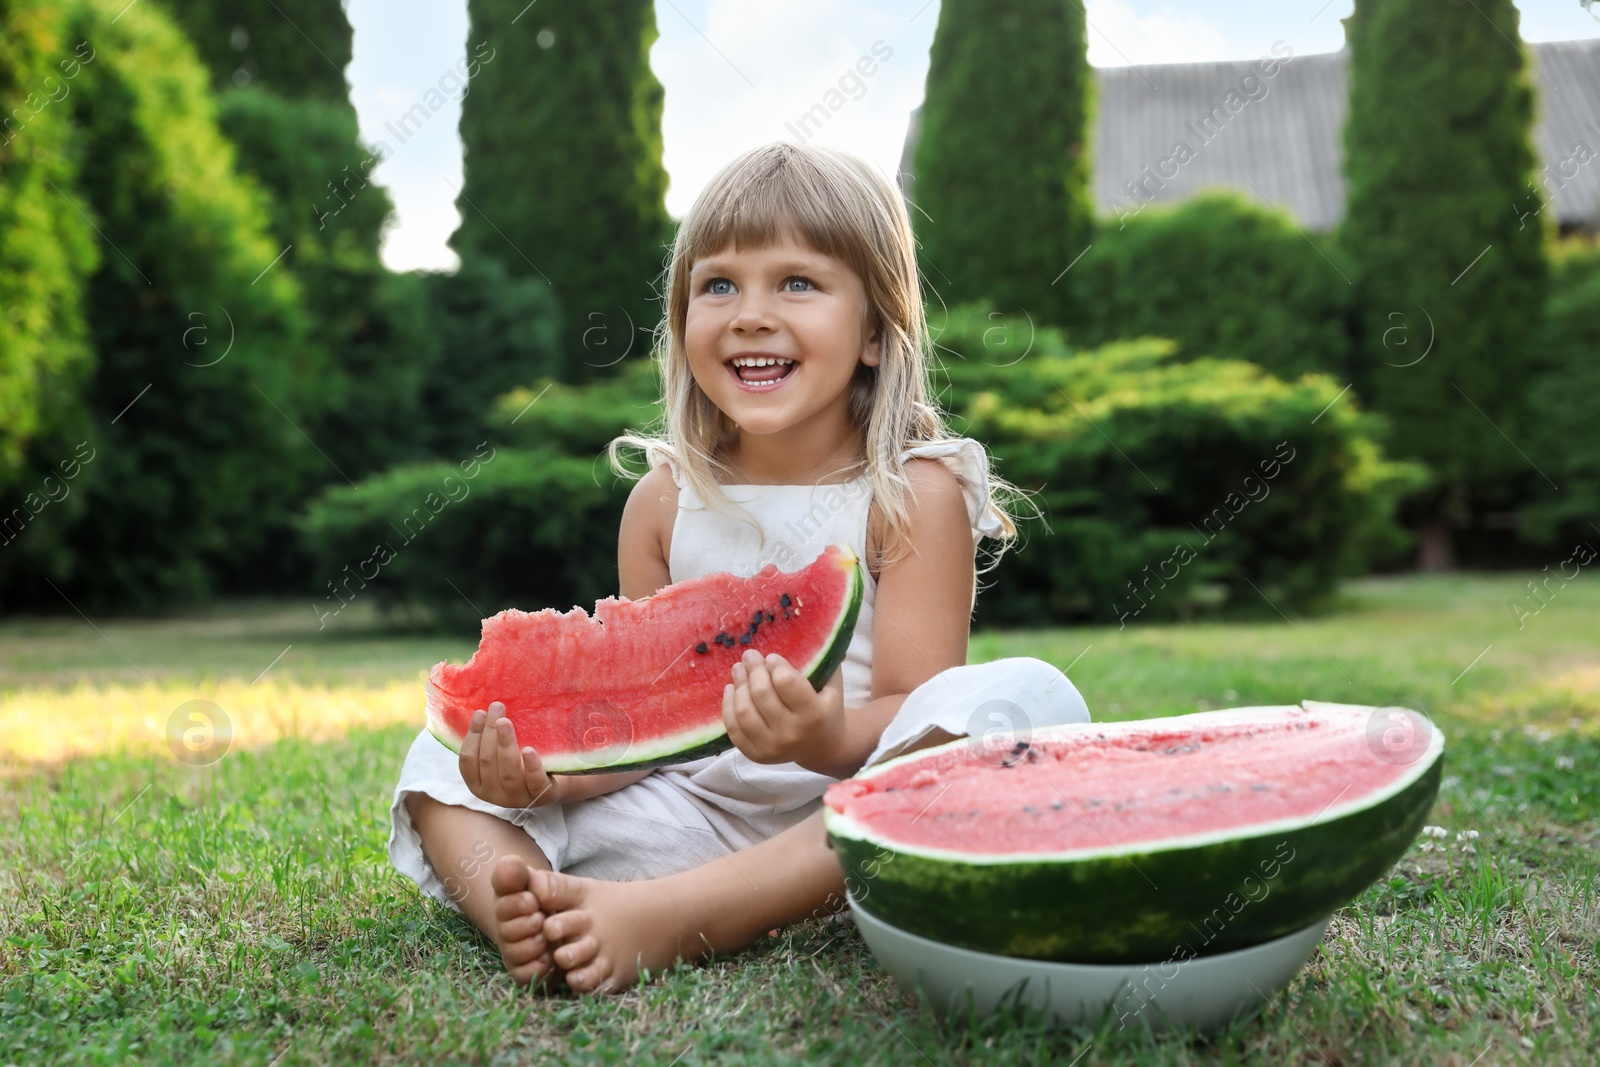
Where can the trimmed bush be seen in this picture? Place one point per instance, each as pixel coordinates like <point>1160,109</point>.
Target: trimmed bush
<point>1167,486</point>
<point>1221,275</point>
<point>502,528</point>
<point>493,331</point>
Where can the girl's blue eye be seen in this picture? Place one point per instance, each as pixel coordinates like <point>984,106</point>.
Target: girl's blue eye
<point>793,277</point>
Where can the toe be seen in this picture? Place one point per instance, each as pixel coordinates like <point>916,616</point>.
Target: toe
<point>576,954</point>
<point>559,892</point>
<point>535,970</point>
<point>510,875</point>
<point>567,925</point>
<point>515,904</point>
<point>522,927</point>
<point>520,952</point>
<point>595,977</point>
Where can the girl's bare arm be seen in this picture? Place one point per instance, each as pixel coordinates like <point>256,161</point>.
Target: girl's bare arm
<point>922,614</point>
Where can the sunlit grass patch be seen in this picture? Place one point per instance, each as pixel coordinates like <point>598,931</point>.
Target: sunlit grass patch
<point>49,725</point>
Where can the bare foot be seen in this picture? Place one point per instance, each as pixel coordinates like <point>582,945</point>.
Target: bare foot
<point>605,932</point>
<point>519,923</point>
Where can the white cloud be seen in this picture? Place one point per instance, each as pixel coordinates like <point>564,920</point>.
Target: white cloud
<point>1119,36</point>
<point>747,70</point>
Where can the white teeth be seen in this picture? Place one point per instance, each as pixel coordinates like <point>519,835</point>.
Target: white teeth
<point>761,361</point>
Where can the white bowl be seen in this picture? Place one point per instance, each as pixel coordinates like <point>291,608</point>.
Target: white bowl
<point>1205,992</point>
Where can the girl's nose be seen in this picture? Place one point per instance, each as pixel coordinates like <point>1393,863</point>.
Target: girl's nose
<point>755,309</point>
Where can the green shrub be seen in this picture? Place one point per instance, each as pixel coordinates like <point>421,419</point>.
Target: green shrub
<point>1223,276</point>
<point>502,528</point>
<point>1166,485</point>
<point>493,332</point>
<point>528,519</point>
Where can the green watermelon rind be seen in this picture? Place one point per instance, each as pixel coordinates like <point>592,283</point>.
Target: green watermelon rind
<point>1139,904</point>
<point>819,670</point>
<point>713,739</point>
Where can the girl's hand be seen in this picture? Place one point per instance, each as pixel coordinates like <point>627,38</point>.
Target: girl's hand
<point>495,771</point>
<point>774,716</point>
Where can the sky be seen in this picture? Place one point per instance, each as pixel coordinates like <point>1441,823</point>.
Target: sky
<point>739,73</point>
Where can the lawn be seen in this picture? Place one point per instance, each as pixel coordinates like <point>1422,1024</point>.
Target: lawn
<point>243,910</point>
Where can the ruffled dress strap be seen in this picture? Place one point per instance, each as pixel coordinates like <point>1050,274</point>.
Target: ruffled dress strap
<point>969,462</point>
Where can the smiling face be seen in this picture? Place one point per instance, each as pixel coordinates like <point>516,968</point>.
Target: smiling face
<point>801,308</point>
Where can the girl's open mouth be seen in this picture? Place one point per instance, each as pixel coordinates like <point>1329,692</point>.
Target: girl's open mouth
<point>761,379</point>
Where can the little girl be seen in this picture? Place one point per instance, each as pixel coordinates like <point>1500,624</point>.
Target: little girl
<point>793,354</point>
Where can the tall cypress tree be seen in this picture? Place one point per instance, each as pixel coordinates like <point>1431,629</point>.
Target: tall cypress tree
<point>296,48</point>
<point>563,174</point>
<point>1001,171</point>
<point>1446,248</point>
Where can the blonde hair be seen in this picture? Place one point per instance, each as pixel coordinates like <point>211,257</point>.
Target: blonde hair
<point>842,207</point>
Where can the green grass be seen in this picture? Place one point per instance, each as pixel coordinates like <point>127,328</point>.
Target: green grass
<point>245,912</point>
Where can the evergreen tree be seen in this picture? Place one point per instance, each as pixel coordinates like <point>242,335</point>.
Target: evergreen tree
<point>201,371</point>
<point>1001,172</point>
<point>296,48</point>
<point>1438,163</point>
<point>373,324</point>
<point>46,248</point>
<point>563,176</point>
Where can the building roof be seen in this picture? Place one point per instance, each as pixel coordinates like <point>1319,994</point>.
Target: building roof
<point>1278,139</point>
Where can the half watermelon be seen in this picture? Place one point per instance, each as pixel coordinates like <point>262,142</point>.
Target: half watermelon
<point>639,683</point>
<point>1138,842</point>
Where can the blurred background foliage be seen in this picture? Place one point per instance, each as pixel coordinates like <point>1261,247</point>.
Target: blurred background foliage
<point>211,385</point>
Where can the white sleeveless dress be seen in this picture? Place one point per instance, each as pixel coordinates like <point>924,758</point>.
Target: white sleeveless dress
<point>683,816</point>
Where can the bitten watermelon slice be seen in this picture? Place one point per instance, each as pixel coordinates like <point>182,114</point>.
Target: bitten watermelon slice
<point>1138,842</point>
<point>639,683</point>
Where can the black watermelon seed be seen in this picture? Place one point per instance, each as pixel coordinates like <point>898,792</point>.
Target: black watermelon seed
<point>769,616</point>
<point>783,601</point>
<point>701,648</point>
<point>744,639</point>
<point>756,618</point>
<point>1056,804</point>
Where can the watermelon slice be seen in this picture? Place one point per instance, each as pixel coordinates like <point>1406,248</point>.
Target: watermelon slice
<point>1138,842</point>
<point>639,683</point>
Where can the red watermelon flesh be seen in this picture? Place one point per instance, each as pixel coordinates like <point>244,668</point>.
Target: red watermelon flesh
<point>639,683</point>
<point>1097,787</point>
